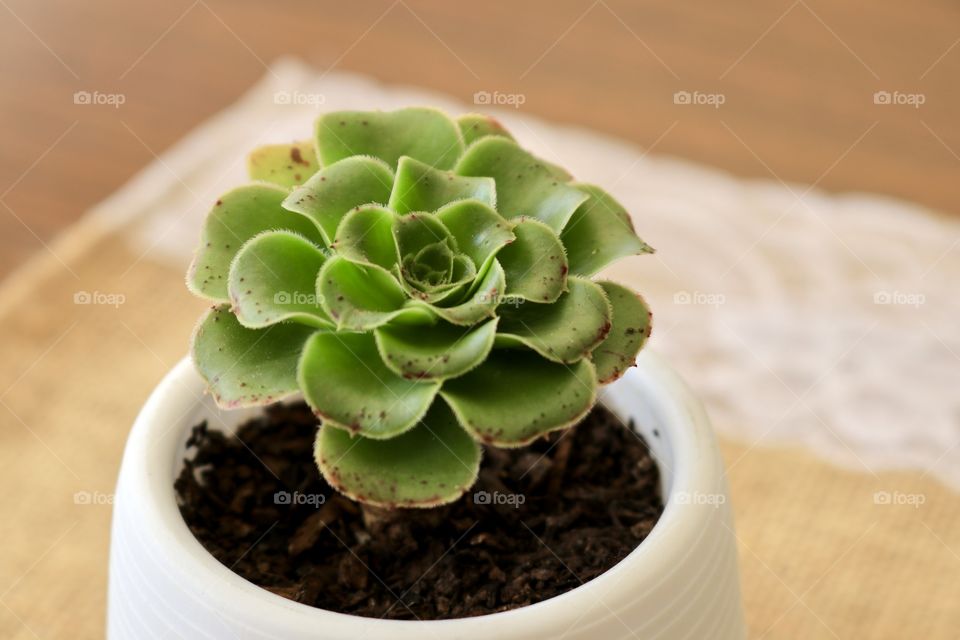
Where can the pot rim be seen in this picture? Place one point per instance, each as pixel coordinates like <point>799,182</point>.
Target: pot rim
<point>151,462</point>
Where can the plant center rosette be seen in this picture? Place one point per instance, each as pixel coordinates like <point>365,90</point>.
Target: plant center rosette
<point>425,283</point>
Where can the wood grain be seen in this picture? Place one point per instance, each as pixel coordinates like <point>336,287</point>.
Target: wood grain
<point>798,80</point>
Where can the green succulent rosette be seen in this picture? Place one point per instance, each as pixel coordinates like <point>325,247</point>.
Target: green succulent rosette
<point>425,283</point>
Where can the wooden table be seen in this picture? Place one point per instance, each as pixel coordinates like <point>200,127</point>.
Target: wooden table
<point>797,81</point>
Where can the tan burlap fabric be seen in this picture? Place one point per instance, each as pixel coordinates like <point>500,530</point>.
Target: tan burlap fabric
<point>819,557</point>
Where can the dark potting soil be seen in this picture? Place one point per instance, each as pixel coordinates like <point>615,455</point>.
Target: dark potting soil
<point>540,520</point>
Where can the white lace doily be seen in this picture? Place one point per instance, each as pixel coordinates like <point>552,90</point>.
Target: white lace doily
<point>798,316</point>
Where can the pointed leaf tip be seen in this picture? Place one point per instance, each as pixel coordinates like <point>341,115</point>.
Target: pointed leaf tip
<point>420,187</point>
<point>599,232</point>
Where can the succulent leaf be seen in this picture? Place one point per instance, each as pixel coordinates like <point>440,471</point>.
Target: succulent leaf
<point>563,331</point>
<point>481,304</point>
<point>428,135</point>
<point>474,126</point>
<point>629,332</point>
<point>535,264</point>
<point>285,165</point>
<point>515,396</point>
<point>434,352</point>
<point>273,279</point>
<point>420,187</point>
<point>430,261</point>
<point>599,232</point>
<point>247,367</point>
<point>526,186</point>
<point>417,231</point>
<point>336,189</point>
<point>360,297</point>
<point>480,231</point>
<point>237,217</point>
<point>366,235</point>
<point>432,464</point>
<point>347,384</point>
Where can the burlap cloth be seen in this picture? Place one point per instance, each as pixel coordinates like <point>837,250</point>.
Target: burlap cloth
<point>826,549</point>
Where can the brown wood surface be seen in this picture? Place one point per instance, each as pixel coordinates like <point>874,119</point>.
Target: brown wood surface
<point>798,78</point>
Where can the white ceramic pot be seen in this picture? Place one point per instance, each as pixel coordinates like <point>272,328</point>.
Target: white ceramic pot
<point>681,582</point>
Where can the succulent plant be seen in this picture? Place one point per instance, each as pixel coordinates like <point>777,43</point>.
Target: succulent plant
<point>424,282</point>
